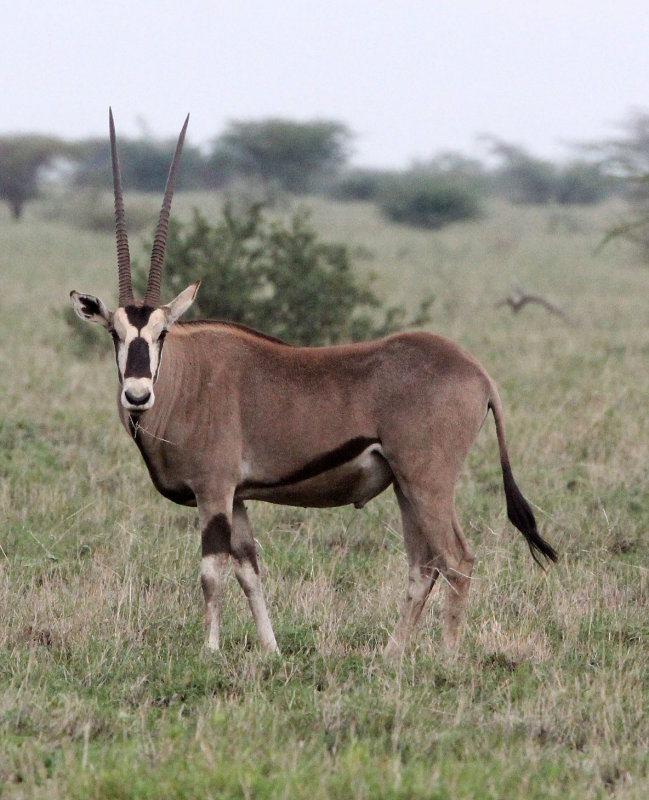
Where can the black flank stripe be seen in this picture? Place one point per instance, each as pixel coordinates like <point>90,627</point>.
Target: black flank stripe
<point>334,458</point>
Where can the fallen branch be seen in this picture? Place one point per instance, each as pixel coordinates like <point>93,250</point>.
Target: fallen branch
<point>518,299</point>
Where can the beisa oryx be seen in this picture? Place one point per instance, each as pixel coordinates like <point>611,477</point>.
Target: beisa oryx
<point>223,414</point>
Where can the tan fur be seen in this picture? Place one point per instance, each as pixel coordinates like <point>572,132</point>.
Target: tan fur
<point>236,413</point>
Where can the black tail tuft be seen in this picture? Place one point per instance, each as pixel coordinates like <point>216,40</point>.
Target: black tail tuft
<point>520,514</point>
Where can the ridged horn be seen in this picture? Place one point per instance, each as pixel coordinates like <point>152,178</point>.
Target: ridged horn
<point>123,255</point>
<point>152,296</point>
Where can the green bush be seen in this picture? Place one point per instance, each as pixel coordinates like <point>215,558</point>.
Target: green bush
<point>360,184</point>
<point>276,277</point>
<point>427,201</point>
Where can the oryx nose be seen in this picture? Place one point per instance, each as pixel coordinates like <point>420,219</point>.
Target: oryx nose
<point>137,399</point>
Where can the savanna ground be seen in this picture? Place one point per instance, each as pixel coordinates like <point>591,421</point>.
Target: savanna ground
<point>104,689</point>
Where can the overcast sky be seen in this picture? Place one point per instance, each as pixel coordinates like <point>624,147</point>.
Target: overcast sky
<point>410,78</point>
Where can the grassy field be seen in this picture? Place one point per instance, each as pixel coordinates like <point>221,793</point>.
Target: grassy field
<point>104,689</point>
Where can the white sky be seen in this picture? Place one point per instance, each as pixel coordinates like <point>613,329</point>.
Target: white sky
<point>409,77</point>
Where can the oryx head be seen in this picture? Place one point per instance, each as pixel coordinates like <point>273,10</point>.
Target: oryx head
<point>138,327</point>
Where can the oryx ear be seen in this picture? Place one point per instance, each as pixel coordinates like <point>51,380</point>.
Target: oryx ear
<point>180,304</point>
<point>91,309</point>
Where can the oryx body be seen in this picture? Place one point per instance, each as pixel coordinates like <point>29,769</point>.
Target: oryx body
<point>223,414</point>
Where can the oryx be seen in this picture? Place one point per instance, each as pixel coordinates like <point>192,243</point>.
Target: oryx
<point>223,414</point>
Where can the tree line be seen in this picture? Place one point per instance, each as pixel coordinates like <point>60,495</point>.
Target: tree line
<point>296,157</point>
<point>313,157</point>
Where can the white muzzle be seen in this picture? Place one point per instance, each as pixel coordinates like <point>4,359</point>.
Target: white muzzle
<point>137,394</point>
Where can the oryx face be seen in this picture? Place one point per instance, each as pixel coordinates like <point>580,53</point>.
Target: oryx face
<point>138,333</point>
<point>138,328</point>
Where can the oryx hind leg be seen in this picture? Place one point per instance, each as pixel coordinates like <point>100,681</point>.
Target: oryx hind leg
<point>458,578</point>
<point>422,573</point>
<point>244,558</point>
<point>435,544</point>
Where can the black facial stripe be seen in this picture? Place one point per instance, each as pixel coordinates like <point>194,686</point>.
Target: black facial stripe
<point>334,458</point>
<point>138,315</point>
<point>138,363</point>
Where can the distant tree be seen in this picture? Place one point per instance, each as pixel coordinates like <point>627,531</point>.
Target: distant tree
<point>627,158</point>
<point>144,164</point>
<point>22,159</point>
<point>522,178</point>
<point>627,155</point>
<point>292,155</point>
<point>582,183</point>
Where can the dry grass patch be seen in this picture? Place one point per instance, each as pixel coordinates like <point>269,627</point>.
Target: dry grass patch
<point>104,688</point>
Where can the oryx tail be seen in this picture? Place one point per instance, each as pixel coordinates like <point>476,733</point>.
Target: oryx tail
<point>518,509</point>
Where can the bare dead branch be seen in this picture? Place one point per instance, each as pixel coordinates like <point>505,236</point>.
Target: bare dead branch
<point>518,299</point>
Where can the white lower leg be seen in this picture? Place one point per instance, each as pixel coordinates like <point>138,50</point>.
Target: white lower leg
<point>250,582</point>
<point>420,582</point>
<point>213,574</point>
<point>459,582</point>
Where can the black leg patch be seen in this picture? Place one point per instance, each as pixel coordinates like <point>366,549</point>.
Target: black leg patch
<point>245,551</point>
<point>215,539</point>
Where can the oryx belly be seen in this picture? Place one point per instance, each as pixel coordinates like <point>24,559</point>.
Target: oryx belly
<point>327,480</point>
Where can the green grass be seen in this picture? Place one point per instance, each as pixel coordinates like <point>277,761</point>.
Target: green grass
<point>105,691</point>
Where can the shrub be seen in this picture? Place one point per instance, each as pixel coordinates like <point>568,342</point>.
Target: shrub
<point>276,277</point>
<point>427,201</point>
<point>360,184</point>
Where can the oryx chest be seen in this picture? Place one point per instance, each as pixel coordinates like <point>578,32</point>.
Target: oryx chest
<point>350,474</point>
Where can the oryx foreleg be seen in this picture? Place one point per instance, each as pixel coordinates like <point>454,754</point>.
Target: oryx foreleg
<point>215,552</point>
<point>244,557</point>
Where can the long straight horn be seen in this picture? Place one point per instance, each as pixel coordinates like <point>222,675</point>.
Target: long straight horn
<point>152,296</point>
<point>123,255</point>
